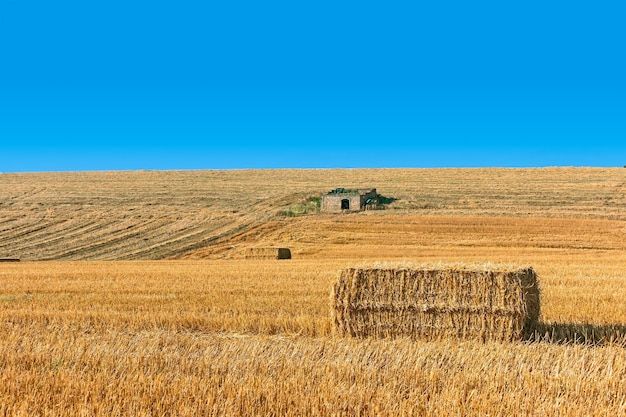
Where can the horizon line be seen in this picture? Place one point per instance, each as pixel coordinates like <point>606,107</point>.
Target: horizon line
<point>69,171</point>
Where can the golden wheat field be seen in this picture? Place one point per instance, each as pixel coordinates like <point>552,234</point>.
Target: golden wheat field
<point>132,297</point>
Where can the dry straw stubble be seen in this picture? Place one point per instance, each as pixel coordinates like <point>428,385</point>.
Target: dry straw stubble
<point>434,301</point>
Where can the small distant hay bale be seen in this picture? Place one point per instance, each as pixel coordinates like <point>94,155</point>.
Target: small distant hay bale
<point>431,302</point>
<point>267,253</point>
<point>9,260</point>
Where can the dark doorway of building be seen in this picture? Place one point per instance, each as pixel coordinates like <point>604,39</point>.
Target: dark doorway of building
<point>345,204</point>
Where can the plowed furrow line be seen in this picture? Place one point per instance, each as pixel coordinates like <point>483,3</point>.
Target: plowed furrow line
<point>138,250</point>
<point>63,243</point>
<point>172,243</point>
<point>50,241</point>
<point>26,234</point>
<point>10,232</point>
<point>233,234</point>
<point>61,225</point>
<point>25,194</point>
<point>106,237</point>
<point>173,248</point>
<point>84,252</point>
<point>5,221</point>
<point>41,234</point>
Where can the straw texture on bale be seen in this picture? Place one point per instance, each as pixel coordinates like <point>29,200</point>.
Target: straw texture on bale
<point>484,302</point>
<point>267,253</point>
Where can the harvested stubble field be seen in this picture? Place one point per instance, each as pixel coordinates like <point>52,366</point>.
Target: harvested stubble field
<point>90,333</point>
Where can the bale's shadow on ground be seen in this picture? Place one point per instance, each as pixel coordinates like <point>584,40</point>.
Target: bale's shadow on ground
<point>579,334</point>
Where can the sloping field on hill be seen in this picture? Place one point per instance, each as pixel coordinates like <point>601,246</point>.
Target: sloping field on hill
<point>396,236</point>
<point>157,215</point>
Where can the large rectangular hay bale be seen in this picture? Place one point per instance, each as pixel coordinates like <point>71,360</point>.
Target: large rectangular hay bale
<point>267,253</point>
<point>484,302</point>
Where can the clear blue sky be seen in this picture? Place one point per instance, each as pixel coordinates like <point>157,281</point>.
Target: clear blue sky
<point>93,85</point>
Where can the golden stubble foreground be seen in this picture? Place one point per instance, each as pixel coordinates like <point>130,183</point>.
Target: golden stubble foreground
<point>233,337</point>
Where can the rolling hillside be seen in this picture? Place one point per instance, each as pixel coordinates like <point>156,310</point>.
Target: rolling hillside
<point>211,214</point>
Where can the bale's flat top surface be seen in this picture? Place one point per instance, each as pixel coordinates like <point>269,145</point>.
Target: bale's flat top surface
<point>443,266</point>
